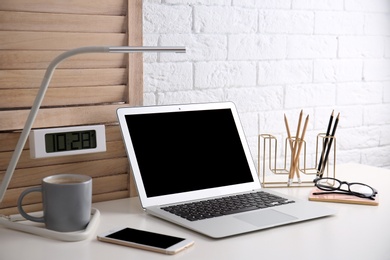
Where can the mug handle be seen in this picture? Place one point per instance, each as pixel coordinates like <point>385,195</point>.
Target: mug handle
<point>20,208</point>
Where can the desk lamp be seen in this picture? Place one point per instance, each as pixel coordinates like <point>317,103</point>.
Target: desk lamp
<point>34,111</point>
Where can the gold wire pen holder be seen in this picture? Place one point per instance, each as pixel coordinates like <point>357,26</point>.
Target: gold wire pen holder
<point>272,174</point>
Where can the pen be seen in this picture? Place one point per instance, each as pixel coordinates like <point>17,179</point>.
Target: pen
<point>325,142</point>
<point>330,144</point>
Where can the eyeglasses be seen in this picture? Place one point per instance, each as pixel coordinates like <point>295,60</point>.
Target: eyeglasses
<point>333,186</point>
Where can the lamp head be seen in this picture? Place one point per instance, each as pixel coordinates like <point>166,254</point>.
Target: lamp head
<point>128,49</point>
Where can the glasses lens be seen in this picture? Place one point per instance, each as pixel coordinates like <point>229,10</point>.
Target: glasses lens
<point>362,189</point>
<point>328,184</point>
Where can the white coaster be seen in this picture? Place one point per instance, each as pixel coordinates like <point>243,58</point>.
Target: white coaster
<point>32,228</point>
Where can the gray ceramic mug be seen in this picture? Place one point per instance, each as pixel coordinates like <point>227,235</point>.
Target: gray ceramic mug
<point>67,200</point>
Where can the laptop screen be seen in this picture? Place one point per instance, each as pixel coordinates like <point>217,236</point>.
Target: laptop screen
<point>185,151</point>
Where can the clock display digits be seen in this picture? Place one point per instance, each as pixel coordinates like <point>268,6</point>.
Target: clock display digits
<point>67,141</point>
<point>75,141</point>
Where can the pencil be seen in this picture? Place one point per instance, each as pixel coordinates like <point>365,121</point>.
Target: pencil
<point>325,142</point>
<point>301,139</point>
<point>329,145</point>
<point>297,141</point>
<point>294,149</point>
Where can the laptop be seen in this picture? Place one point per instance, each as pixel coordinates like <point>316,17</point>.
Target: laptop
<point>190,154</point>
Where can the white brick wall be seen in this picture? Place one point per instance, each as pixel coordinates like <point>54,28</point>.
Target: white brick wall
<point>273,57</point>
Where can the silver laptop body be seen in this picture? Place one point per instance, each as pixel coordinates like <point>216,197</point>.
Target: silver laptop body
<point>191,152</point>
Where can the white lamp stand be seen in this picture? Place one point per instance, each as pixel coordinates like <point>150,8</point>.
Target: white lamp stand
<point>10,221</point>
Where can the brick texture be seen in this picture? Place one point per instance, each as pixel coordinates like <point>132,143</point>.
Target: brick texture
<point>276,57</point>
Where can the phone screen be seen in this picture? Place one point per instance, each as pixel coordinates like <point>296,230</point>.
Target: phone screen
<point>145,238</point>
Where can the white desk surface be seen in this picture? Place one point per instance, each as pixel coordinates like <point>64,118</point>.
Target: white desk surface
<point>355,232</point>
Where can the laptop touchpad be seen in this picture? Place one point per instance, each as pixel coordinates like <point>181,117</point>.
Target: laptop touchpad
<point>266,218</point>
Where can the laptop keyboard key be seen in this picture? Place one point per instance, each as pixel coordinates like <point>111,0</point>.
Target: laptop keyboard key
<point>226,206</point>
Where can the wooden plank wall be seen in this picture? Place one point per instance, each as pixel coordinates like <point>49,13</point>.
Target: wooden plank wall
<point>85,89</point>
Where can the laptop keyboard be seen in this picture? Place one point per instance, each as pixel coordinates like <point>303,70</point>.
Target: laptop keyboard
<point>227,205</point>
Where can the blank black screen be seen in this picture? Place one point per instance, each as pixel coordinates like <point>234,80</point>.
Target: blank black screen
<point>145,238</point>
<point>187,151</point>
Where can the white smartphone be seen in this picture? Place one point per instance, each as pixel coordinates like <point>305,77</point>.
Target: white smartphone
<point>147,240</point>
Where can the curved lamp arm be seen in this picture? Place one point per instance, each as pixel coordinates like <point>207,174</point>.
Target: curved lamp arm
<point>45,84</point>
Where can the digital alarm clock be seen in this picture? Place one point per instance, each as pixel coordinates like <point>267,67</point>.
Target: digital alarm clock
<point>62,141</point>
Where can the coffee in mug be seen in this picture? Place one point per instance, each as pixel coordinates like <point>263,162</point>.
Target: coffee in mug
<point>66,199</point>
